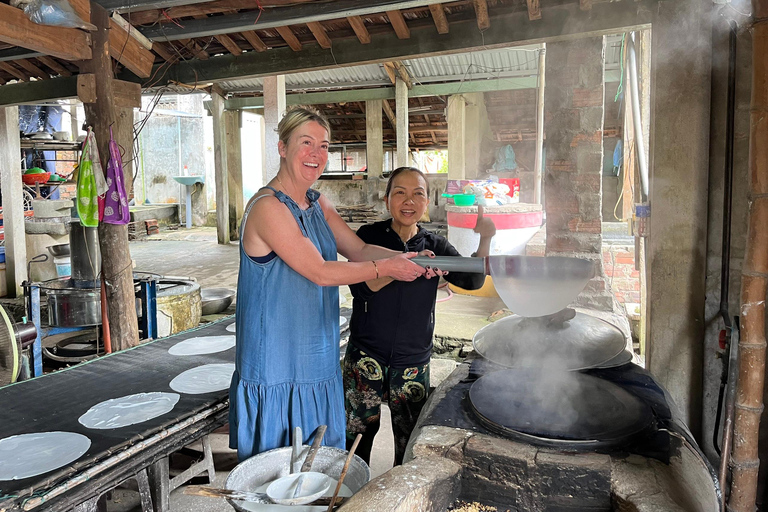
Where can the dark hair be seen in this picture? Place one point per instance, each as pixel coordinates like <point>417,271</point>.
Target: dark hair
<point>401,170</point>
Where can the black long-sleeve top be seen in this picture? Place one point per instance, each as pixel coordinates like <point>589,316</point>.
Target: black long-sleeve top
<point>395,324</point>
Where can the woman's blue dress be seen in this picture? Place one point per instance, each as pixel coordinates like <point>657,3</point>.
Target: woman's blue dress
<point>287,362</point>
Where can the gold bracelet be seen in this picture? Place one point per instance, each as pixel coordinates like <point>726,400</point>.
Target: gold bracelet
<point>376,267</point>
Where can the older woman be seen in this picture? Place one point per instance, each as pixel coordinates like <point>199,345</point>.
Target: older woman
<point>390,340</point>
<point>287,363</point>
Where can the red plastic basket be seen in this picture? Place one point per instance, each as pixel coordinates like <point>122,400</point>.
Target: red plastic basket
<point>31,179</point>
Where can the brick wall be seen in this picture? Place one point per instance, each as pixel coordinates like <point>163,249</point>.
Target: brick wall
<point>623,279</point>
<point>574,122</point>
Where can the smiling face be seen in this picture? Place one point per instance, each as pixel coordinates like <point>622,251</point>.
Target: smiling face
<point>407,200</point>
<point>306,152</point>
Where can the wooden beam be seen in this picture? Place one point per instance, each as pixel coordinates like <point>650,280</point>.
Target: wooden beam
<point>195,49</point>
<point>14,71</point>
<point>33,69</point>
<point>254,40</point>
<point>438,16</point>
<point>585,5</point>
<point>129,52</point>
<point>357,24</point>
<point>220,167</point>
<point>399,24</point>
<point>402,71</point>
<point>126,94</point>
<point>163,52</point>
<point>82,8</point>
<point>319,32</point>
<point>481,12</point>
<point>390,115</point>
<point>86,88</point>
<point>54,65</point>
<point>16,29</point>
<point>534,10</point>
<point>123,23</point>
<point>289,37</point>
<point>390,70</point>
<point>228,43</point>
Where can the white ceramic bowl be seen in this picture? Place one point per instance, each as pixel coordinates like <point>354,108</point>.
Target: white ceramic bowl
<point>298,488</point>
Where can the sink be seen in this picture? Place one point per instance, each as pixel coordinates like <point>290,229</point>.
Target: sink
<point>189,180</point>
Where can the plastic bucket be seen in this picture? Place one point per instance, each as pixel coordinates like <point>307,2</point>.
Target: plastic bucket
<point>63,266</point>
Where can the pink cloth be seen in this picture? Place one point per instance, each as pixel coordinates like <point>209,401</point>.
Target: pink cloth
<point>115,202</point>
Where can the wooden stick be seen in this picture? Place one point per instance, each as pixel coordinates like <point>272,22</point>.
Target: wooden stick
<point>344,471</point>
<point>256,497</point>
<point>314,448</point>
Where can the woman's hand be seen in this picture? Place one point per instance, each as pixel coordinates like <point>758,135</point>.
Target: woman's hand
<point>431,271</point>
<point>401,267</point>
<point>485,226</point>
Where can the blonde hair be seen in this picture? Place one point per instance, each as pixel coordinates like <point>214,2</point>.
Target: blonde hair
<point>297,116</point>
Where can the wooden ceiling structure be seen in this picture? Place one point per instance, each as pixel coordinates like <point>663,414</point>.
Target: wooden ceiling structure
<point>188,44</point>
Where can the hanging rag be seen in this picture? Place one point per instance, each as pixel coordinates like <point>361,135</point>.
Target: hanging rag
<point>90,182</point>
<point>113,207</point>
<point>505,159</point>
<point>618,157</point>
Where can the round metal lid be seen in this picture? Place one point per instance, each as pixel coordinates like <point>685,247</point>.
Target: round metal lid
<point>558,408</point>
<point>577,344</point>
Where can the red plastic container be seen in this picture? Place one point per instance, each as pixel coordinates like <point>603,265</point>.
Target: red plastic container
<point>31,179</point>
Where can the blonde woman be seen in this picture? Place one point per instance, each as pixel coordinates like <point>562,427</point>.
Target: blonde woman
<point>287,363</point>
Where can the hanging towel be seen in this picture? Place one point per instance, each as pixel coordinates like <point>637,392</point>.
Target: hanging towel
<point>113,208</point>
<point>90,182</point>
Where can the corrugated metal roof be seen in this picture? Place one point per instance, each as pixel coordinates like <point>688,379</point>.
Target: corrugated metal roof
<point>477,65</point>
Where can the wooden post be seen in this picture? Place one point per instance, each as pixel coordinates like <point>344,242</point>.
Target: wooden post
<point>220,167</point>
<point>113,239</point>
<point>745,461</point>
<point>401,114</point>
<point>13,207</point>
<point>539,125</point>
<point>233,121</point>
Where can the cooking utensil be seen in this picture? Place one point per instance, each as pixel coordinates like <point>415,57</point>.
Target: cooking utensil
<point>528,285</point>
<point>298,488</point>
<point>255,497</point>
<point>344,471</point>
<point>579,343</point>
<point>314,448</point>
<point>296,449</point>
<point>559,409</point>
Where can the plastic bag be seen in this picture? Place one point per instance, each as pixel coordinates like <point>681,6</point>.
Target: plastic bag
<point>58,13</point>
<point>505,159</point>
<point>489,193</point>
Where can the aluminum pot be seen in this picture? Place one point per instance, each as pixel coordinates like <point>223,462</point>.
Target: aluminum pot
<point>216,300</point>
<point>265,467</point>
<point>72,307</point>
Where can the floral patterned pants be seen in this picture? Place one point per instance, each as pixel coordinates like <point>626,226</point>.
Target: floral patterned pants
<point>366,384</point>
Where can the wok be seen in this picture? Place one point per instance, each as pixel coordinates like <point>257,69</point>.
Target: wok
<point>528,285</point>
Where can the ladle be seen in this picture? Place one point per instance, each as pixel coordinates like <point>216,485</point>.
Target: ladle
<point>529,285</point>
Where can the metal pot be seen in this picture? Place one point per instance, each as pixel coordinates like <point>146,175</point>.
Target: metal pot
<point>216,300</point>
<point>72,307</point>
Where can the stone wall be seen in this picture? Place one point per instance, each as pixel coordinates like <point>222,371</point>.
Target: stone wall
<point>574,118</point>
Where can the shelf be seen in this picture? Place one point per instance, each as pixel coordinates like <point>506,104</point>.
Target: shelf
<point>49,145</point>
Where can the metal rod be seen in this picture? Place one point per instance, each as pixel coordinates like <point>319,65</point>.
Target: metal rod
<point>635,98</point>
<point>537,171</point>
<point>93,471</point>
<point>730,412</point>
<point>453,263</point>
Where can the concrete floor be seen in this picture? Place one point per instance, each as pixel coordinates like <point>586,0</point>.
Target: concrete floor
<point>195,253</point>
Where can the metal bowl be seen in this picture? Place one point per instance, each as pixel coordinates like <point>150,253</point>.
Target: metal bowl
<point>59,250</point>
<point>216,300</point>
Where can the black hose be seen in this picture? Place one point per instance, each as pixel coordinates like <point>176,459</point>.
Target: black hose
<point>725,262</point>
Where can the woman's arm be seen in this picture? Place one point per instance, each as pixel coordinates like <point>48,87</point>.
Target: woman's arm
<point>271,227</point>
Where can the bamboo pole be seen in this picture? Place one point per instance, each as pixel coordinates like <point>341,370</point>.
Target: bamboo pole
<point>754,283</point>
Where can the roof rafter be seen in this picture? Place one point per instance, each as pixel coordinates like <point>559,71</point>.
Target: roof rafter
<point>358,25</point>
<point>438,16</point>
<point>534,10</point>
<point>319,32</point>
<point>18,30</point>
<point>399,24</point>
<point>289,37</point>
<point>481,11</point>
<point>254,40</point>
<point>54,65</point>
<point>33,69</point>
